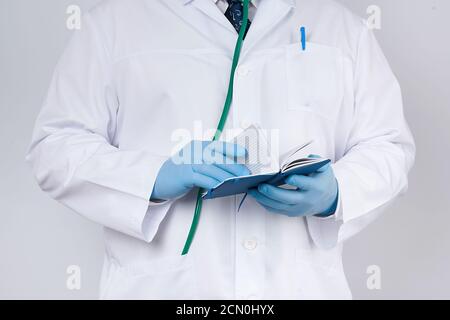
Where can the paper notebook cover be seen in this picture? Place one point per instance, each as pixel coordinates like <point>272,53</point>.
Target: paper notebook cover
<point>239,185</point>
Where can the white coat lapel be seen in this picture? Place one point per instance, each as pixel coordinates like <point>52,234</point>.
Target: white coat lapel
<point>268,14</point>
<point>210,9</point>
<point>207,19</point>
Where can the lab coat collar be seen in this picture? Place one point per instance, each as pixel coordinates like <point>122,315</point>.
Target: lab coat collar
<point>205,17</point>
<point>269,13</point>
<point>209,8</point>
<point>254,2</point>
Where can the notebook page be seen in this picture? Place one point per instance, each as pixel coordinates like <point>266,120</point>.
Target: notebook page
<point>259,159</point>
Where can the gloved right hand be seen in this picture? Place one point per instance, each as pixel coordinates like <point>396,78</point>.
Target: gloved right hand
<point>202,164</point>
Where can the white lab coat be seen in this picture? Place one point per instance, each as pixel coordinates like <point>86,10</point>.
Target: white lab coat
<point>140,70</point>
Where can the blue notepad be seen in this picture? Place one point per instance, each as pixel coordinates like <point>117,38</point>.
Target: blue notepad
<point>239,185</point>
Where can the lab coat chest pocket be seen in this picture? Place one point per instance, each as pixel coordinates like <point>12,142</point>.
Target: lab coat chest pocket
<point>314,79</point>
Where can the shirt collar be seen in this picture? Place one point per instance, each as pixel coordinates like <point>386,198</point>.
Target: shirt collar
<point>255,3</point>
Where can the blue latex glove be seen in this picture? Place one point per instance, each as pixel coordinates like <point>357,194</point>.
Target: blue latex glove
<point>202,164</point>
<point>316,194</point>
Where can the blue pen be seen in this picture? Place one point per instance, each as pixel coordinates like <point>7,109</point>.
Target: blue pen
<point>303,37</point>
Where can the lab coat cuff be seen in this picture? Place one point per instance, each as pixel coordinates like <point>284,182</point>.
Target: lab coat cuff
<point>155,214</point>
<point>324,231</point>
<point>156,210</point>
<point>352,204</point>
<point>135,220</point>
<point>356,211</point>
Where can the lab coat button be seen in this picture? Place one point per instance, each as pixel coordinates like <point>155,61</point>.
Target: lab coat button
<point>250,244</point>
<point>243,71</point>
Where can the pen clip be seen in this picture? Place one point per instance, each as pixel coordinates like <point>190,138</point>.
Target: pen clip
<point>303,37</point>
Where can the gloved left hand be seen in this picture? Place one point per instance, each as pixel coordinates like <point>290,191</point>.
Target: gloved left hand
<point>316,194</point>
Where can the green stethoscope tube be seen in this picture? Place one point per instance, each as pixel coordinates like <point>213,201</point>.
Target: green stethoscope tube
<point>221,125</point>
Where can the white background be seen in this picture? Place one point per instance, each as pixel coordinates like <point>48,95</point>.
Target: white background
<point>411,243</point>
